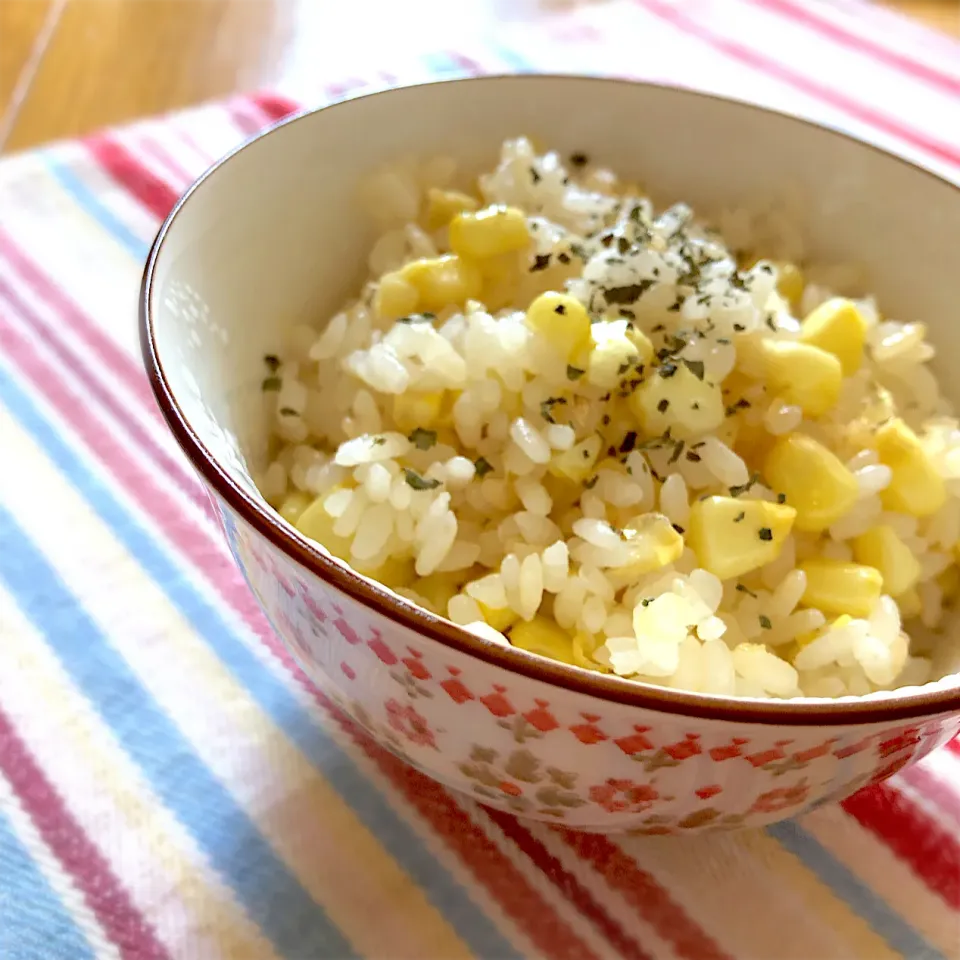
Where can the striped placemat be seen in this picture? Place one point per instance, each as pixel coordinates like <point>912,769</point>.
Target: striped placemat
<point>172,787</point>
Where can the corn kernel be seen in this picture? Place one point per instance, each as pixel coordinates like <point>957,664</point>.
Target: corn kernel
<point>395,297</point>
<point>488,233</point>
<point>412,410</point>
<point>498,619</point>
<point>835,586</point>
<point>617,353</point>
<point>577,463</point>
<point>543,636</point>
<point>443,281</point>
<point>838,327</point>
<point>394,572</point>
<point>949,583</point>
<point>881,548</point>
<point>790,283</point>
<point>314,522</point>
<point>731,537</point>
<point>683,402</point>
<point>657,541</point>
<point>915,487</point>
<point>444,205</point>
<point>562,320</point>
<point>816,484</point>
<point>584,646</point>
<point>802,374</point>
<point>437,589</point>
<point>293,505</point>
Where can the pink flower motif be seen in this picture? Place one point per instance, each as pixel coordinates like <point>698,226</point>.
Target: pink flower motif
<point>618,796</point>
<point>404,719</point>
<point>773,801</point>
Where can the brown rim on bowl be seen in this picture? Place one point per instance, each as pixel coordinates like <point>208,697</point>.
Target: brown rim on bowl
<point>290,541</point>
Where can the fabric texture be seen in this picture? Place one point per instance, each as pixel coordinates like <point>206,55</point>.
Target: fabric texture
<point>169,788</point>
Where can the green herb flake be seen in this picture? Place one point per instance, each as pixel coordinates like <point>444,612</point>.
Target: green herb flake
<point>591,483</point>
<point>270,384</point>
<point>378,441</point>
<point>272,362</point>
<point>418,318</point>
<point>574,373</point>
<point>288,412</point>
<point>765,533</point>
<point>540,262</point>
<point>765,622</point>
<point>781,498</point>
<point>546,408</point>
<point>482,466</point>
<point>667,370</point>
<point>695,367</point>
<point>419,483</point>
<point>744,487</point>
<point>629,442</point>
<point>742,589</point>
<point>578,159</point>
<point>423,439</point>
<point>663,404</point>
<point>739,518</point>
<point>627,294</point>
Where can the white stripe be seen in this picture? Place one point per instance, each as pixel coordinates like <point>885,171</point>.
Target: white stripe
<point>60,882</point>
<point>879,869</point>
<point>145,846</point>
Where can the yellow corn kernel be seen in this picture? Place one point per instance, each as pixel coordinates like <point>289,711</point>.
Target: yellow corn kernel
<point>314,522</point>
<point>412,410</point>
<point>584,646</point>
<point>437,589</point>
<point>489,232</point>
<point>909,604</point>
<point>543,636</point>
<point>618,353</point>
<point>394,572</point>
<point>731,537</point>
<point>790,283</point>
<point>802,374</point>
<point>657,541</point>
<point>562,320</point>
<point>577,463</point>
<point>498,619</point>
<point>838,327</point>
<point>444,205</point>
<point>293,505</point>
<point>395,297</point>
<point>684,402</point>
<point>881,548</point>
<point>816,484</point>
<point>835,586</point>
<point>443,281</point>
<point>915,487</point>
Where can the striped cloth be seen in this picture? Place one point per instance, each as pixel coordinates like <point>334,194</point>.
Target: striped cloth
<point>172,787</point>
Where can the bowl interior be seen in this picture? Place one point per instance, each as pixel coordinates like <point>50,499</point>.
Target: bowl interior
<point>273,236</point>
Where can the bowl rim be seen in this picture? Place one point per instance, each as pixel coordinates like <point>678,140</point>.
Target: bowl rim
<point>268,523</point>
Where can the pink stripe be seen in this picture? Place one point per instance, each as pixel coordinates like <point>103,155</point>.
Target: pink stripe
<point>209,558</point>
<point>810,17</point>
<point>931,787</point>
<point>103,893</point>
<point>158,152</point>
<point>651,902</point>
<point>825,94</point>
<point>626,947</point>
<point>187,483</point>
<point>275,106</point>
<point>932,853</point>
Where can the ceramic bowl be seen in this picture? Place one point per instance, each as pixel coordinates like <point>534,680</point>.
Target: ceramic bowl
<point>271,236</point>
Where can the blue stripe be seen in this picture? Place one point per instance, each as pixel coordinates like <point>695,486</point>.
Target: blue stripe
<point>91,204</point>
<point>33,922</point>
<point>178,775</point>
<point>879,915</point>
<point>194,805</point>
<point>512,59</point>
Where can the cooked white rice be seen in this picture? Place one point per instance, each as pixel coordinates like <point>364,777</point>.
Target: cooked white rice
<point>479,466</point>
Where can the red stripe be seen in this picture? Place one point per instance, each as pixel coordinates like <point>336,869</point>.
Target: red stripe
<point>275,106</point>
<point>651,902</point>
<point>932,853</point>
<point>208,556</point>
<point>152,192</point>
<point>75,363</point>
<point>931,787</point>
<point>810,17</point>
<point>152,148</point>
<point>122,922</point>
<point>568,885</point>
<point>772,68</point>
<point>954,746</point>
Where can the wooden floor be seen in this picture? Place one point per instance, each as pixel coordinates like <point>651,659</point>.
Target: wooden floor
<point>70,66</point>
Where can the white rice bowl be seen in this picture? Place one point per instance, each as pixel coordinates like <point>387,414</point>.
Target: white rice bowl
<point>438,452</point>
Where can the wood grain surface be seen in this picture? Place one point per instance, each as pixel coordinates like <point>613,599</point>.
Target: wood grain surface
<point>70,66</point>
